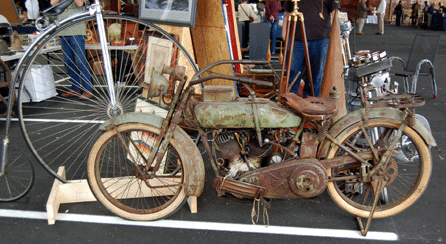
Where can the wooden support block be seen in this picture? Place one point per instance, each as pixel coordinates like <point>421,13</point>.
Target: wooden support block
<point>192,202</point>
<point>75,191</point>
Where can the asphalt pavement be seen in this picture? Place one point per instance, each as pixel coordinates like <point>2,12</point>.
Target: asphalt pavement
<point>222,220</point>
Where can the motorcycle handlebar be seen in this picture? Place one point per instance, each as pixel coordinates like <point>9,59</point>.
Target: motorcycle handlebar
<point>234,78</point>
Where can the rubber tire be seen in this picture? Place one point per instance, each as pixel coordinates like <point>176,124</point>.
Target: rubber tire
<point>96,189</point>
<point>423,180</point>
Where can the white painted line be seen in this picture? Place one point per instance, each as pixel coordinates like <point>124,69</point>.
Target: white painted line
<point>212,226</point>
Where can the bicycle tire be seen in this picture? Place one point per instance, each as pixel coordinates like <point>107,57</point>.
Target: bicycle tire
<point>18,177</point>
<point>61,130</point>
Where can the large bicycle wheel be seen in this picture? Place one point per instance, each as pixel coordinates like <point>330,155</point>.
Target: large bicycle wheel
<point>115,176</point>
<point>61,130</point>
<point>18,177</point>
<point>407,173</point>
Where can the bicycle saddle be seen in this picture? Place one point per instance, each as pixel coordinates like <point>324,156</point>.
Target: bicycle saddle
<point>58,8</point>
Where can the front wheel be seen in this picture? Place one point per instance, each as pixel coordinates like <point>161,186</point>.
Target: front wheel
<point>407,172</point>
<point>113,169</point>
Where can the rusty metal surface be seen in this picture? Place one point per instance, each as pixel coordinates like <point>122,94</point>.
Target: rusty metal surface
<point>308,179</point>
<point>143,118</point>
<point>276,179</point>
<point>313,108</point>
<point>194,171</point>
<point>308,146</point>
<point>405,100</point>
<point>363,116</point>
<point>240,114</point>
<point>235,187</point>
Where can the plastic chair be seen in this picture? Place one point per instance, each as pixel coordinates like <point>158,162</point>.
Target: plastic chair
<point>420,62</point>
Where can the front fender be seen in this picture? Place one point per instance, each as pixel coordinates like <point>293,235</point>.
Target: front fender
<point>363,116</point>
<point>194,172</point>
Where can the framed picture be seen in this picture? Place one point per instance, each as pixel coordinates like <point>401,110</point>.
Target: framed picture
<point>169,12</point>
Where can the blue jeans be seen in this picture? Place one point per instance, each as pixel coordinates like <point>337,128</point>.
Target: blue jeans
<point>272,33</point>
<point>317,50</point>
<point>73,48</point>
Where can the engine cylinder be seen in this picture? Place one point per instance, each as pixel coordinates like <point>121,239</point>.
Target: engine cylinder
<point>228,145</point>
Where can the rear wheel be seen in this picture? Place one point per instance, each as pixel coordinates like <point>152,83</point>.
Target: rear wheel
<point>407,173</point>
<point>113,174</point>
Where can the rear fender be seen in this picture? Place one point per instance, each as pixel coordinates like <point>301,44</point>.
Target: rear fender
<point>359,117</point>
<point>194,172</point>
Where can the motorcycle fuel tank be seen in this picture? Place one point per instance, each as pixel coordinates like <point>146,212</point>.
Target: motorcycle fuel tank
<point>241,114</point>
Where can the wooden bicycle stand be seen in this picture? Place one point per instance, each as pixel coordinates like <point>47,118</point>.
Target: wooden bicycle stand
<point>75,191</point>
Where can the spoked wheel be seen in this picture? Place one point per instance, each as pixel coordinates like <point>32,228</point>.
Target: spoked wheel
<point>114,174</point>
<point>18,176</point>
<point>60,131</point>
<point>407,172</point>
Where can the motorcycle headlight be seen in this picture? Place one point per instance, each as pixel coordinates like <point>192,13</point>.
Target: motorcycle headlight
<point>379,80</point>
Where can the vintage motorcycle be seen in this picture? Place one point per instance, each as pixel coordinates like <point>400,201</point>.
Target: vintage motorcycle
<point>144,166</point>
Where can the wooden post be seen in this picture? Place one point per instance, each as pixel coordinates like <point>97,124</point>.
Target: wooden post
<point>210,40</point>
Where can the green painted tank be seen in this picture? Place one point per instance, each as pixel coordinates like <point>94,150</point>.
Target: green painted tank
<point>240,114</point>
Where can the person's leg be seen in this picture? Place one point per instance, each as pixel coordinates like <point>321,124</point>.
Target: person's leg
<point>69,59</point>
<point>297,65</point>
<point>318,54</point>
<point>273,36</point>
<point>381,23</point>
<point>397,20</point>
<point>82,63</point>
<point>360,24</point>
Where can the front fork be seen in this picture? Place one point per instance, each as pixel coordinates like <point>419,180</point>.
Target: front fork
<point>96,9</point>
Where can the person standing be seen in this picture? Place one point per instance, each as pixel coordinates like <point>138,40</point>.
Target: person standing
<point>415,12</point>
<point>381,11</point>
<point>425,11</point>
<point>398,13</point>
<point>430,12</point>
<point>245,15</point>
<point>272,16</point>
<point>362,15</point>
<point>317,21</point>
<point>73,48</point>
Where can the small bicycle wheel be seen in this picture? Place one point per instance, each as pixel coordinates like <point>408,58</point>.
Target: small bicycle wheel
<point>60,130</point>
<point>407,172</point>
<point>115,176</point>
<point>18,177</point>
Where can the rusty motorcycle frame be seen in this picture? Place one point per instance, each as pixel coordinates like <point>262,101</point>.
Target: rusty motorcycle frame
<point>144,166</point>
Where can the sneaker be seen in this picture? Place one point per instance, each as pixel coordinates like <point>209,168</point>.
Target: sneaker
<point>85,95</point>
<point>70,93</point>
<point>379,33</point>
<point>360,33</point>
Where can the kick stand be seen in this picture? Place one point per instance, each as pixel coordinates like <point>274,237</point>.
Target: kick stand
<point>378,184</point>
<point>78,191</point>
